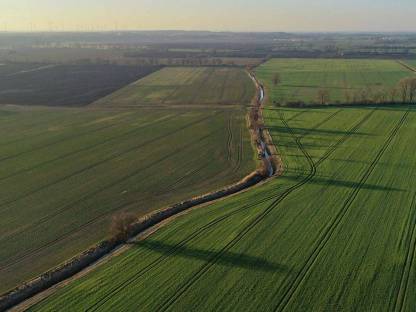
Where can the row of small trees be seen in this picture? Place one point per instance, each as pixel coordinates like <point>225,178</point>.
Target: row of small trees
<point>404,91</point>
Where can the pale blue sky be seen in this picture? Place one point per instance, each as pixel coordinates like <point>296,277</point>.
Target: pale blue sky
<point>235,15</point>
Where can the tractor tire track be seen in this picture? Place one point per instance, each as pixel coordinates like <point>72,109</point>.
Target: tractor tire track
<point>30,125</point>
<point>96,164</point>
<point>59,140</point>
<point>408,265</point>
<point>280,197</point>
<point>345,137</point>
<point>229,139</point>
<point>255,222</point>
<point>13,261</point>
<point>159,260</point>
<point>319,124</point>
<point>89,147</point>
<point>240,150</point>
<point>126,283</point>
<point>333,226</point>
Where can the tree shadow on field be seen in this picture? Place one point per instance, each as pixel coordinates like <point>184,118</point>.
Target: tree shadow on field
<point>348,184</point>
<point>311,131</point>
<point>227,258</point>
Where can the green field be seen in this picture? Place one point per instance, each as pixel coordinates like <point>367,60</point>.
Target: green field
<point>186,86</point>
<point>66,172</point>
<point>340,223</point>
<point>345,80</point>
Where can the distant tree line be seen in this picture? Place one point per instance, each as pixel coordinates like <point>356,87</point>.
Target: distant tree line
<point>404,92</point>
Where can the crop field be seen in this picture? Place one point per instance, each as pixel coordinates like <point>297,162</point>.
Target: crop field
<point>335,232</point>
<point>186,86</point>
<point>65,172</point>
<point>64,85</point>
<point>344,80</point>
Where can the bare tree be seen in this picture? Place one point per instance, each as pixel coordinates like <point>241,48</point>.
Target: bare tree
<point>365,95</point>
<point>403,86</point>
<point>121,225</point>
<point>412,89</point>
<point>323,96</point>
<point>347,96</point>
<point>383,96</point>
<point>276,79</point>
<point>379,96</point>
<point>393,94</point>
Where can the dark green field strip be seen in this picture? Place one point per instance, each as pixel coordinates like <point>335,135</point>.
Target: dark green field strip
<point>72,211</point>
<point>119,132</point>
<point>69,153</point>
<point>127,174</point>
<point>29,149</point>
<point>168,130</point>
<point>20,125</point>
<point>54,133</point>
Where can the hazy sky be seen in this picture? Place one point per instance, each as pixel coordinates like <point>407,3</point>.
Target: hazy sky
<point>235,15</point>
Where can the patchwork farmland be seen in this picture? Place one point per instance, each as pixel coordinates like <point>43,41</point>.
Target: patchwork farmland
<point>338,222</point>
<point>340,219</point>
<point>66,172</point>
